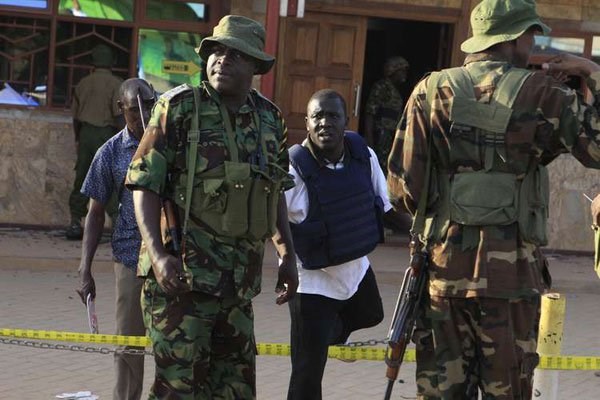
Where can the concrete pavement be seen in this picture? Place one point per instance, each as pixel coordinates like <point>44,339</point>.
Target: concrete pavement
<point>38,277</point>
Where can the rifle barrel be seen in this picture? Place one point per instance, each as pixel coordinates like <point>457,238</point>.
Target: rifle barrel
<point>388,390</point>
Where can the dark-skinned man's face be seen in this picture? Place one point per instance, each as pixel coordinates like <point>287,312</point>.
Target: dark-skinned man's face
<point>325,121</point>
<point>131,109</point>
<point>229,71</point>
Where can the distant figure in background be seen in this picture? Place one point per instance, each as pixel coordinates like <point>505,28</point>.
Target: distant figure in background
<point>95,113</point>
<point>106,178</point>
<point>384,108</point>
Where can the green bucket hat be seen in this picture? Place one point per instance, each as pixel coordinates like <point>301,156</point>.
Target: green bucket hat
<point>242,34</point>
<point>497,21</point>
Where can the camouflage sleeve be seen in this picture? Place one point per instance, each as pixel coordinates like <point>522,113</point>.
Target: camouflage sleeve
<point>372,105</point>
<point>576,124</point>
<point>407,160</point>
<point>148,168</point>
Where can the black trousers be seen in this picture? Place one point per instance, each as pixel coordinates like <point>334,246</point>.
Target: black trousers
<point>319,321</point>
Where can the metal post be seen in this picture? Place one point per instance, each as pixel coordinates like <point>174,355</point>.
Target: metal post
<point>552,321</point>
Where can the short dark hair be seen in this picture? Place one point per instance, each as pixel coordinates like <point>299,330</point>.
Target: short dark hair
<point>329,94</point>
<point>132,84</point>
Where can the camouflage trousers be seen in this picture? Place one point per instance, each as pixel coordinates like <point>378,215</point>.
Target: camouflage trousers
<point>204,347</point>
<point>477,344</point>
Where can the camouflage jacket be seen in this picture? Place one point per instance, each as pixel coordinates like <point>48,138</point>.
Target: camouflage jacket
<point>385,104</point>
<point>548,119</point>
<point>221,266</point>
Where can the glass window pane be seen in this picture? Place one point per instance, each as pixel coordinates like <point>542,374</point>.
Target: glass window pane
<point>25,3</point>
<point>168,59</point>
<point>23,60</point>
<point>596,49</point>
<point>176,10</point>
<point>119,10</point>
<point>551,45</point>
<point>73,55</point>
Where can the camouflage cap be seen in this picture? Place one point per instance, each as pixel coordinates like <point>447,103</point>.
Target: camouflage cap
<point>102,56</point>
<point>242,34</point>
<point>394,64</point>
<point>497,21</point>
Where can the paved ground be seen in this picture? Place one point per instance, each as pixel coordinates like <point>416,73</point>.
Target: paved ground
<point>38,278</point>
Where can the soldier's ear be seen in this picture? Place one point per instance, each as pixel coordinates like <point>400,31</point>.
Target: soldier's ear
<point>120,105</point>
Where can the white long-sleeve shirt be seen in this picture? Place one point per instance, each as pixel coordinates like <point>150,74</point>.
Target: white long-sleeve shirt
<point>341,281</point>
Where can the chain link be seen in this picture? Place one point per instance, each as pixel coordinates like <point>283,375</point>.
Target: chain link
<point>75,347</point>
<point>370,342</point>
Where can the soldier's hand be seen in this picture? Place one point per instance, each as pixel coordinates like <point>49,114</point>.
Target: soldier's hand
<point>570,64</point>
<point>596,211</point>
<point>86,285</point>
<point>170,275</point>
<point>287,281</point>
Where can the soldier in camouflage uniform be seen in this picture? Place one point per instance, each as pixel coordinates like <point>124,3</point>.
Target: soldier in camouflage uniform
<point>488,129</point>
<point>219,152</point>
<point>384,108</point>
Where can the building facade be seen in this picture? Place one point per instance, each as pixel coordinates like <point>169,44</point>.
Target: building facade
<point>337,43</point>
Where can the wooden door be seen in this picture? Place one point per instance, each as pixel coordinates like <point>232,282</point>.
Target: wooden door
<point>316,52</point>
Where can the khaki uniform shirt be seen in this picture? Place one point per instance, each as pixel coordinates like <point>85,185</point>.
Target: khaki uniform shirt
<point>95,99</point>
<point>548,119</point>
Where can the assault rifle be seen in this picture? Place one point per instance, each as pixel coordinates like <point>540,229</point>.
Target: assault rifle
<point>405,313</point>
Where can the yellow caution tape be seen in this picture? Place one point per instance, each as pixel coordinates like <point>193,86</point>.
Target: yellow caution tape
<point>280,349</point>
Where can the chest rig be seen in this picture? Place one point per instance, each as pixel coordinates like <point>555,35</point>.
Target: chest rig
<point>235,199</point>
<point>495,194</point>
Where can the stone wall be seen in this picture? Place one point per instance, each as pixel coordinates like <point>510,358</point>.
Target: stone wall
<point>37,156</point>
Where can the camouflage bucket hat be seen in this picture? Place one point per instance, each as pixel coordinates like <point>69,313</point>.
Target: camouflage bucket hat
<point>497,21</point>
<point>242,34</point>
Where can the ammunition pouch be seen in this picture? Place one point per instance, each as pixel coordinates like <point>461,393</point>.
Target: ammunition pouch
<point>235,201</point>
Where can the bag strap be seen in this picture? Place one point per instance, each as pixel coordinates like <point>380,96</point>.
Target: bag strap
<point>509,86</point>
<point>193,137</point>
<point>418,225</point>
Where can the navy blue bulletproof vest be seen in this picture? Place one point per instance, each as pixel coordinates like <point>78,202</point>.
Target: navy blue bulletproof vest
<point>344,220</point>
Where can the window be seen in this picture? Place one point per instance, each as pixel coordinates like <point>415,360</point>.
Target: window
<point>46,45</point>
<point>23,60</point>
<point>168,59</point>
<point>552,45</point>
<point>596,49</point>
<point>25,3</point>
<point>175,10</point>
<point>118,10</point>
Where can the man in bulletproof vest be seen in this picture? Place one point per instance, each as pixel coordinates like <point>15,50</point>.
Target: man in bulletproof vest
<point>472,146</point>
<point>335,212</point>
<point>219,152</point>
<point>96,118</point>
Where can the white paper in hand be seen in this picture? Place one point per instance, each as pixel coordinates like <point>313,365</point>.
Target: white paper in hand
<point>91,314</point>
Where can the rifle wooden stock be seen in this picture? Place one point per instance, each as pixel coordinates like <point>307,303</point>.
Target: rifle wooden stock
<point>394,361</point>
